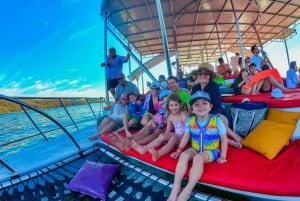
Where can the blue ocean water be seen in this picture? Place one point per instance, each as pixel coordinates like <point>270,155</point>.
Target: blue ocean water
<point>17,131</point>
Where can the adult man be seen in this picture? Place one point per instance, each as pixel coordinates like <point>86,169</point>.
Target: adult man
<point>173,86</point>
<point>113,68</point>
<point>256,58</point>
<point>125,87</point>
<point>182,80</point>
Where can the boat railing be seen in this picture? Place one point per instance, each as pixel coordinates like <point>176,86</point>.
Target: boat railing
<point>42,118</point>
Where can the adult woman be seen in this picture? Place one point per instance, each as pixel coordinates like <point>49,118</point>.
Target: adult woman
<point>206,83</point>
<point>114,120</point>
<point>262,81</point>
<point>151,99</point>
<point>291,76</point>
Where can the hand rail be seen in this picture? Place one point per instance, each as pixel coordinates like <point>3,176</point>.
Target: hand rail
<point>24,108</point>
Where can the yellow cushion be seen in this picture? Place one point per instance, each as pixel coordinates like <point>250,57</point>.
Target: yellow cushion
<point>269,137</point>
<point>283,116</point>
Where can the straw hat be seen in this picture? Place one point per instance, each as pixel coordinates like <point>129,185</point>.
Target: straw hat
<point>207,67</point>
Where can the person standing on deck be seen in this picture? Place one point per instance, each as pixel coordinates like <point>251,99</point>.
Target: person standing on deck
<point>113,68</point>
<point>256,58</point>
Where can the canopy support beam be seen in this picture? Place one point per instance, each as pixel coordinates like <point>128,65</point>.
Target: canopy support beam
<point>105,52</point>
<point>239,34</point>
<point>164,36</point>
<point>287,51</point>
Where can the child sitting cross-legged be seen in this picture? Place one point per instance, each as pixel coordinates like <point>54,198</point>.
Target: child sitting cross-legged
<point>149,132</point>
<point>132,118</point>
<point>176,117</point>
<point>207,134</point>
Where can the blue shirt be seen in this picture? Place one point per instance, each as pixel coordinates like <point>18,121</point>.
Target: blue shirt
<point>291,79</point>
<point>114,70</point>
<point>257,60</point>
<point>183,83</point>
<point>126,88</point>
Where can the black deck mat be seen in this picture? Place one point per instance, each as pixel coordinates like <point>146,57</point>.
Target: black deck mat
<point>133,182</point>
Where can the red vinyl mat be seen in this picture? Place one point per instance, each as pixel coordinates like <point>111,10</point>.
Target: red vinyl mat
<point>245,170</point>
<point>290,99</point>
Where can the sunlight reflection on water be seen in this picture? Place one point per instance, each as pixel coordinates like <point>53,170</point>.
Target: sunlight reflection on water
<point>17,126</point>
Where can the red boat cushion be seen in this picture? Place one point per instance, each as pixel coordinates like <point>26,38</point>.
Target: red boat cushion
<point>290,99</point>
<point>245,170</point>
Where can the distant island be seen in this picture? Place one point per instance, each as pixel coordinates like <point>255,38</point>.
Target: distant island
<point>9,107</point>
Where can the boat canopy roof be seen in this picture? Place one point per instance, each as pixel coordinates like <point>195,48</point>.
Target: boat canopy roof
<point>201,30</point>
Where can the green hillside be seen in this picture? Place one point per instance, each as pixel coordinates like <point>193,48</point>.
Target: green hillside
<point>8,107</point>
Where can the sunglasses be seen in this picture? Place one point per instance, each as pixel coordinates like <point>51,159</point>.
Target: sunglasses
<point>121,78</point>
<point>205,73</point>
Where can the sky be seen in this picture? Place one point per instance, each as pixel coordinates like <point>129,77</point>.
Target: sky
<point>53,48</point>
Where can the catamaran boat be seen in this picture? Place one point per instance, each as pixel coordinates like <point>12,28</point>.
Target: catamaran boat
<point>37,163</point>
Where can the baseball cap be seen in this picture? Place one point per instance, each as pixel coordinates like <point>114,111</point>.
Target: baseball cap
<point>155,85</point>
<point>200,95</point>
<point>277,93</point>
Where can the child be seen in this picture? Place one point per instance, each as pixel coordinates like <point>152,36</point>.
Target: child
<point>176,118</point>
<point>206,132</point>
<point>148,133</point>
<point>114,120</point>
<point>133,117</point>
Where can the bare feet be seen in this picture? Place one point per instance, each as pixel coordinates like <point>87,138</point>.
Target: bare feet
<point>127,143</point>
<point>174,193</point>
<point>93,137</point>
<point>154,153</point>
<point>128,134</point>
<point>184,195</point>
<point>116,141</point>
<point>235,144</point>
<point>115,133</point>
<point>139,148</point>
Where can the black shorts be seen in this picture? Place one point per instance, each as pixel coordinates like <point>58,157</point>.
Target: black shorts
<point>112,83</point>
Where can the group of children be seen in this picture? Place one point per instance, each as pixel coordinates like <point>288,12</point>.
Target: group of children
<point>171,127</point>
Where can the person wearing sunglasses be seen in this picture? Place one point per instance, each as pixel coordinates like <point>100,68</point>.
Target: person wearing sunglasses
<point>113,68</point>
<point>125,87</point>
<point>206,83</point>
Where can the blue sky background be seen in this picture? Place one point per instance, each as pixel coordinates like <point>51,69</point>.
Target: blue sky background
<point>54,48</point>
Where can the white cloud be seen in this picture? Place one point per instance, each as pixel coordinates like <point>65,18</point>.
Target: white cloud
<point>48,88</point>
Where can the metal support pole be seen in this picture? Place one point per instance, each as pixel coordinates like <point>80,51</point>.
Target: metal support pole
<point>129,63</point>
<point>164,36</point>
<point>287,52</point>
<point>142,79</point>
<point>105,55</point>
<point>226,56</point>
<point>239,34</point>
<point>177,59</point>
<point>219,42</point>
